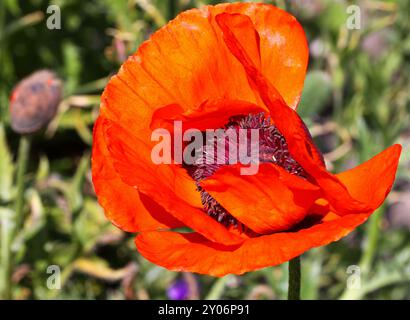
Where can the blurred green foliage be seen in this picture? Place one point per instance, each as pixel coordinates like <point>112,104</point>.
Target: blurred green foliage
<point>356,101</point>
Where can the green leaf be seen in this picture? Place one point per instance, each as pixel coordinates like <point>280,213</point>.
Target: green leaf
<point>91,225</point>
<point>72,66</point>
<point>334,16</point>
<point>6,168</point>
<point>75,194</point>
<point>13,6</point>
<point>311,270</point>
<point>43,170</point>
<point>316,93</point>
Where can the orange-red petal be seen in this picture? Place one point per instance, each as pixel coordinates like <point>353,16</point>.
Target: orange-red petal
<point>193,253</point>
<point>183,63</point>
<point>371,181</point>
<point>208,115</point>
<point>186,63</point>
<point>123,204</point>
<point>167,184</point>
<point>282,45</point>
<point>288,122</point>
<point>269,201</point>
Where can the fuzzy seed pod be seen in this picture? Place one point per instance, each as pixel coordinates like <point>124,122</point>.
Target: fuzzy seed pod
<point>34,101</point>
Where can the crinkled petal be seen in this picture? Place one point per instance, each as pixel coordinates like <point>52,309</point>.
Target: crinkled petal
<point>208,115</point>
<point>193,253</point>
<point>186,63</point>
<point>167,184</point>
<point>288,122</point>
<point>269,201</point>
<point>123,204</point>
<point>372,181</point>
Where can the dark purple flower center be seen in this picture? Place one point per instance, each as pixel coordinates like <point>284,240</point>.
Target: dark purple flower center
<point>273,148</point>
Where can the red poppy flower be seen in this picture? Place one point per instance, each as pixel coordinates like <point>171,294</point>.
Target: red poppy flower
<point>231,64</point>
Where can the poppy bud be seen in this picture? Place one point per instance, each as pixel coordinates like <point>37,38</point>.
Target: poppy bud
<point>34,101</point>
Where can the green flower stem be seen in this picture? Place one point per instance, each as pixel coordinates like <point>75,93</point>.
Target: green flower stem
<point>24,150</point>
<point>371,241</point>
<point>294,279</point>
<point>11,226</point>
<point>6,218</point>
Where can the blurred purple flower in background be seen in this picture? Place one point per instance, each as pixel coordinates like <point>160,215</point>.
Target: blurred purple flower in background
<point>178,290</point>
<point>184,288</point>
